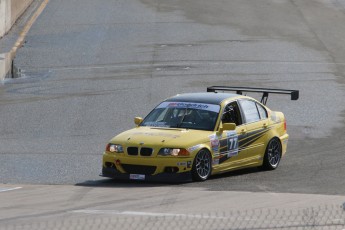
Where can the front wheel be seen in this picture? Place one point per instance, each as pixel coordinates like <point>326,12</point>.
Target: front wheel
<point>273,154</point>
<point>202,165</point>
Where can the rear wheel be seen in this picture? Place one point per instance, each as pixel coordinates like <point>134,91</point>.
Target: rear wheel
<point>273,154</point>
<point>202,166</point>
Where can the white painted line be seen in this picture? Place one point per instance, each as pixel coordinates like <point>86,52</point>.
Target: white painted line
<point>154,214</point>
<point>337,220</point>
<point>9,189</point>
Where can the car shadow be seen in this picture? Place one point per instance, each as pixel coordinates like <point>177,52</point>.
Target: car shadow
<point>115,183</point>
<point>240,172</point>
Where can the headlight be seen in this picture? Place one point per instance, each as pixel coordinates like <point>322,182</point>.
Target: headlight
<point>113,148</point>
<point>173,152</point>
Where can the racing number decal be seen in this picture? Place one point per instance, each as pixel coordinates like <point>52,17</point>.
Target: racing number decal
<point>232,146</point>
<point>226,147</point>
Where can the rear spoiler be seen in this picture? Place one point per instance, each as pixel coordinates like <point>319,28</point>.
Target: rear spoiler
<point>239,90</point>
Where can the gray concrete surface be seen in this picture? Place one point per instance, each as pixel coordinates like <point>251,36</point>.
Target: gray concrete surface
<point>87,68</point>
<point>137,206</point>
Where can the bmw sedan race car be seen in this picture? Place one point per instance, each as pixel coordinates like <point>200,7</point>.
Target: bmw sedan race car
<point>195,135</point>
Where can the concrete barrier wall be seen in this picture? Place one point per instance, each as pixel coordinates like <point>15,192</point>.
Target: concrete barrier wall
<point>10,11</point>
<point>5,65</point>
<point>5,16</point>
<point>18,7</point>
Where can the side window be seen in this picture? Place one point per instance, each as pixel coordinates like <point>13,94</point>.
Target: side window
<point>250,111</point>
<point>232,114</point>
<point>262,111</point>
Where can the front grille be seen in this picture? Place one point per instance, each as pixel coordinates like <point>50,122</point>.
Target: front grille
<point>146,152</point>
<point>133,151</point>
<point>139,169</point>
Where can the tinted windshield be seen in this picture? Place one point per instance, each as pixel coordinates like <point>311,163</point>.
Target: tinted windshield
<point>183,115</point>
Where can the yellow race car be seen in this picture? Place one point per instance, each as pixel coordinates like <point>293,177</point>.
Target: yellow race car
<point>195,135</point>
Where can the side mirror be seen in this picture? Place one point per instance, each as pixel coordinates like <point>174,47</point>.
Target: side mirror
<point>226,126</point>
<point>138,120</point>
<point>229,126</point>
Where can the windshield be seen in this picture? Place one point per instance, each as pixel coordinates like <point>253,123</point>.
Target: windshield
<point>183,115</point>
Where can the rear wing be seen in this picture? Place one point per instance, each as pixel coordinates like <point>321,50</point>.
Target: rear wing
<point>265,92</point>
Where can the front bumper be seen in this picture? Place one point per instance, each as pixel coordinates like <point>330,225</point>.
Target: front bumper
<point>160,177</point>
<point>147,168</point>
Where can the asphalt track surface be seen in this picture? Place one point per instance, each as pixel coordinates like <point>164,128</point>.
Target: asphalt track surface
<point>87,69</point>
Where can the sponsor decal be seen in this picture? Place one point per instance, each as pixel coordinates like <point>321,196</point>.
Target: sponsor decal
<point>156,134</point>
<point>215,142</point>
<point>188,105</point>
<point>156,124</point>
<point>216,154</point>
<point>275,118</point>
<point>231,133</point>
<point>231,154</point>
<point>182,164</point>
<point>191,105</point>
<point>215,161</point>
<point>193,148</point>
<point>215,145</point>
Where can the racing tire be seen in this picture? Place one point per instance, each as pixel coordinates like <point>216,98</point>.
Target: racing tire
<point>273,154</point>
<point>202,165</point>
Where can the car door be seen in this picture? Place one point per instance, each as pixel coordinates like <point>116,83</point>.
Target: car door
<point>229,152</point>
<point>256,123</point>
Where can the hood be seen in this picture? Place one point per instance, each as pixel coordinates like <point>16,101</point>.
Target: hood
<point>169,137</point>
